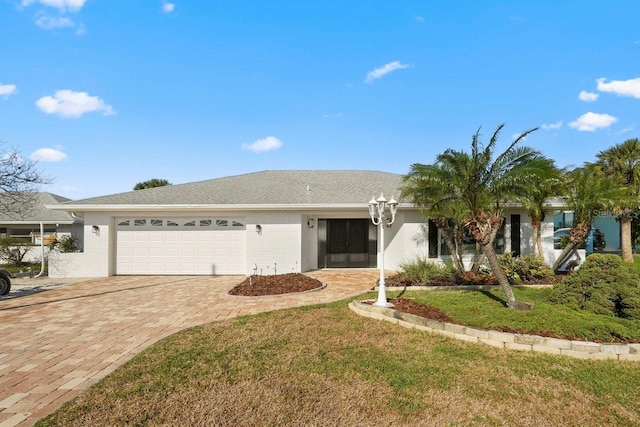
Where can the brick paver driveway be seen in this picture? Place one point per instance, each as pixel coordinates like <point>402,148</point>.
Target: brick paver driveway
<point>57,343</point>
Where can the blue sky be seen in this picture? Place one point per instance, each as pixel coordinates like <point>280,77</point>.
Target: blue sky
<point>108,93</point>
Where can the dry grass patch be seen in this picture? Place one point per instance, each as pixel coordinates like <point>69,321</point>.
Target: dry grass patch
<point>327,366</point>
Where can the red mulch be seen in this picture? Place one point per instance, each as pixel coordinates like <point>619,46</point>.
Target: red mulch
<point>419,309</point>
<point>276,284</point>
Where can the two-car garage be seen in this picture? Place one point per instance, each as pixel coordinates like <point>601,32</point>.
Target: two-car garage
<point>180,245</point>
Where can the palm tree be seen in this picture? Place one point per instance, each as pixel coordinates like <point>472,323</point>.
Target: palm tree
<point>481,182</point>
<point>151,183</point>
<point>539,190</point>
<point>623,162</point>
<point>588,194</point>
<point>423,186</point>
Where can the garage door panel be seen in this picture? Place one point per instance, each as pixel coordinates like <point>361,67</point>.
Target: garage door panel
<point>163,250</point>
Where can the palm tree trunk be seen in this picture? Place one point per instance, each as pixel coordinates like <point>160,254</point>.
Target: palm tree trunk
<point>537,239</point>
<point>625,230</point>
<point>565,252</point>
<point>497,270</point>
<point>455,255</point>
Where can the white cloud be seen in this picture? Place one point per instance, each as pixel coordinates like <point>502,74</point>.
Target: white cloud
<point>62,5</point>
<point>70,104</point>
<point>551,126</point>
<point>621,87</point>
<point>48,155</point>
<point>419,18</point>
<point>8,90</point>
<point>168,7</point>
<point>266,144</point>
<point>49,22</point>
<point>625,130</point>
<point>384,70</point>
<point>588,96</point>
<point>590,122</point>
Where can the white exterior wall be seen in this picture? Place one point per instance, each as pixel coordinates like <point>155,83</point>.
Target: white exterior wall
<point>99,249</point>
<point>286,244</point>
<point>405,240</point>
<point>278,247</point>
<point>309,243</point>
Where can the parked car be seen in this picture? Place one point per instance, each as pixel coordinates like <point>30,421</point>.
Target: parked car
<point>596,236</point>
<point>5,281</point>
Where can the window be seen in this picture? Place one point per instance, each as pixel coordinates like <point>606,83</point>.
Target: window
<point>172,223</point>
<point>190,224</point>
<point>139,222</point>
<point>222,223</point>
<point>205,223</point>
<point>156,222</point>
<point>124,223</point>
<point>236,224</point>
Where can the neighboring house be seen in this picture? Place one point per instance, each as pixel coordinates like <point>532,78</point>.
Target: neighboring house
<point>265,222</point>
<point>605,222</point>
<point>26,225</point>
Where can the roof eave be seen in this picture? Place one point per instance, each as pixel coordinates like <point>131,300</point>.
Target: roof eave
<point>220,207</point>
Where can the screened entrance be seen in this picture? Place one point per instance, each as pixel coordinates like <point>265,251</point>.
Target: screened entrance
<point>344,243</point>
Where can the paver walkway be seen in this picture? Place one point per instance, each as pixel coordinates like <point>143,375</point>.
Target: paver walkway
<point>57,343</point>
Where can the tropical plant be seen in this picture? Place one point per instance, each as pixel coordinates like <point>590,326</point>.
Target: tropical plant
<point>622,161</point>
<point>480,182</point>
<point>421,269</point>
<point>66,243</point>
<point>151,183</point>
<point>540,189</point>
<point>588,193</point>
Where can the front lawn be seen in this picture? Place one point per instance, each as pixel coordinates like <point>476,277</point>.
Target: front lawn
<point>486,310</point>
<point>325,365</point>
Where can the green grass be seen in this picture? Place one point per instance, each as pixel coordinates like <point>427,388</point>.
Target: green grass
<point>485,309</point>
<point>324,365</point>
<point>634,265</point>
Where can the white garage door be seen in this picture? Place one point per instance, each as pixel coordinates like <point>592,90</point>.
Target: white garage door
<point>190,246</point>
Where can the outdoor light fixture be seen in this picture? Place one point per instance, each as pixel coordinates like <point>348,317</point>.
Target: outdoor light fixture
<point>377,214</point>
<point>310,222</point>
<point>95,230</point>
<point>258,229</point>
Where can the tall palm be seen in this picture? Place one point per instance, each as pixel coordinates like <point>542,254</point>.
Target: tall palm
<point>423,186</point>
<point>622,161</point>
<point>588,193</point>
<point>540,189</point>
<point>481,182</point>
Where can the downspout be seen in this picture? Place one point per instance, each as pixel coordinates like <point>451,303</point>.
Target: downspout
<point>42,248</point>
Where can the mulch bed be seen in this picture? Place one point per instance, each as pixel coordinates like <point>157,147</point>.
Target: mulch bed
<point>419,309</point>
<point>276,284</point>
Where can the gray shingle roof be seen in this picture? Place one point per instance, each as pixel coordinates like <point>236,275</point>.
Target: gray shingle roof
<point>39,213</point>
<point>292,187</point>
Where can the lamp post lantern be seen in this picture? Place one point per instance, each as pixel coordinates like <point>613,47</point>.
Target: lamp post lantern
<point>377,213</point>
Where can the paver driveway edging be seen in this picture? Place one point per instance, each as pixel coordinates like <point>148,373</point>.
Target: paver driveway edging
<point>57,343</point>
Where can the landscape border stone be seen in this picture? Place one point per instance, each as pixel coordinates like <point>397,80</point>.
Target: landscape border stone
<point>521,342</point>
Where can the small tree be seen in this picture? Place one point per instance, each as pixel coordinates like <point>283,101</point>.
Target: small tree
<point>151,183</point>
<point>19,181</point>
<point>13,250</point>
<point>481,180</point>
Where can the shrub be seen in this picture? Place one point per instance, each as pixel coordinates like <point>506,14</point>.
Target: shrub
<point>602,285</point>
<point>527,268</point>
<point>422,270</point>
<point>13,250</point>
<point>66,243</point>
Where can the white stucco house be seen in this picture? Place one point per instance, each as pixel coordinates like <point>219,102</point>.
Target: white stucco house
<point>265,222</point>
<point>25,223</point>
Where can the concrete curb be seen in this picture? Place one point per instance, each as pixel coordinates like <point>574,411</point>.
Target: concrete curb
<point>522,342</point>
